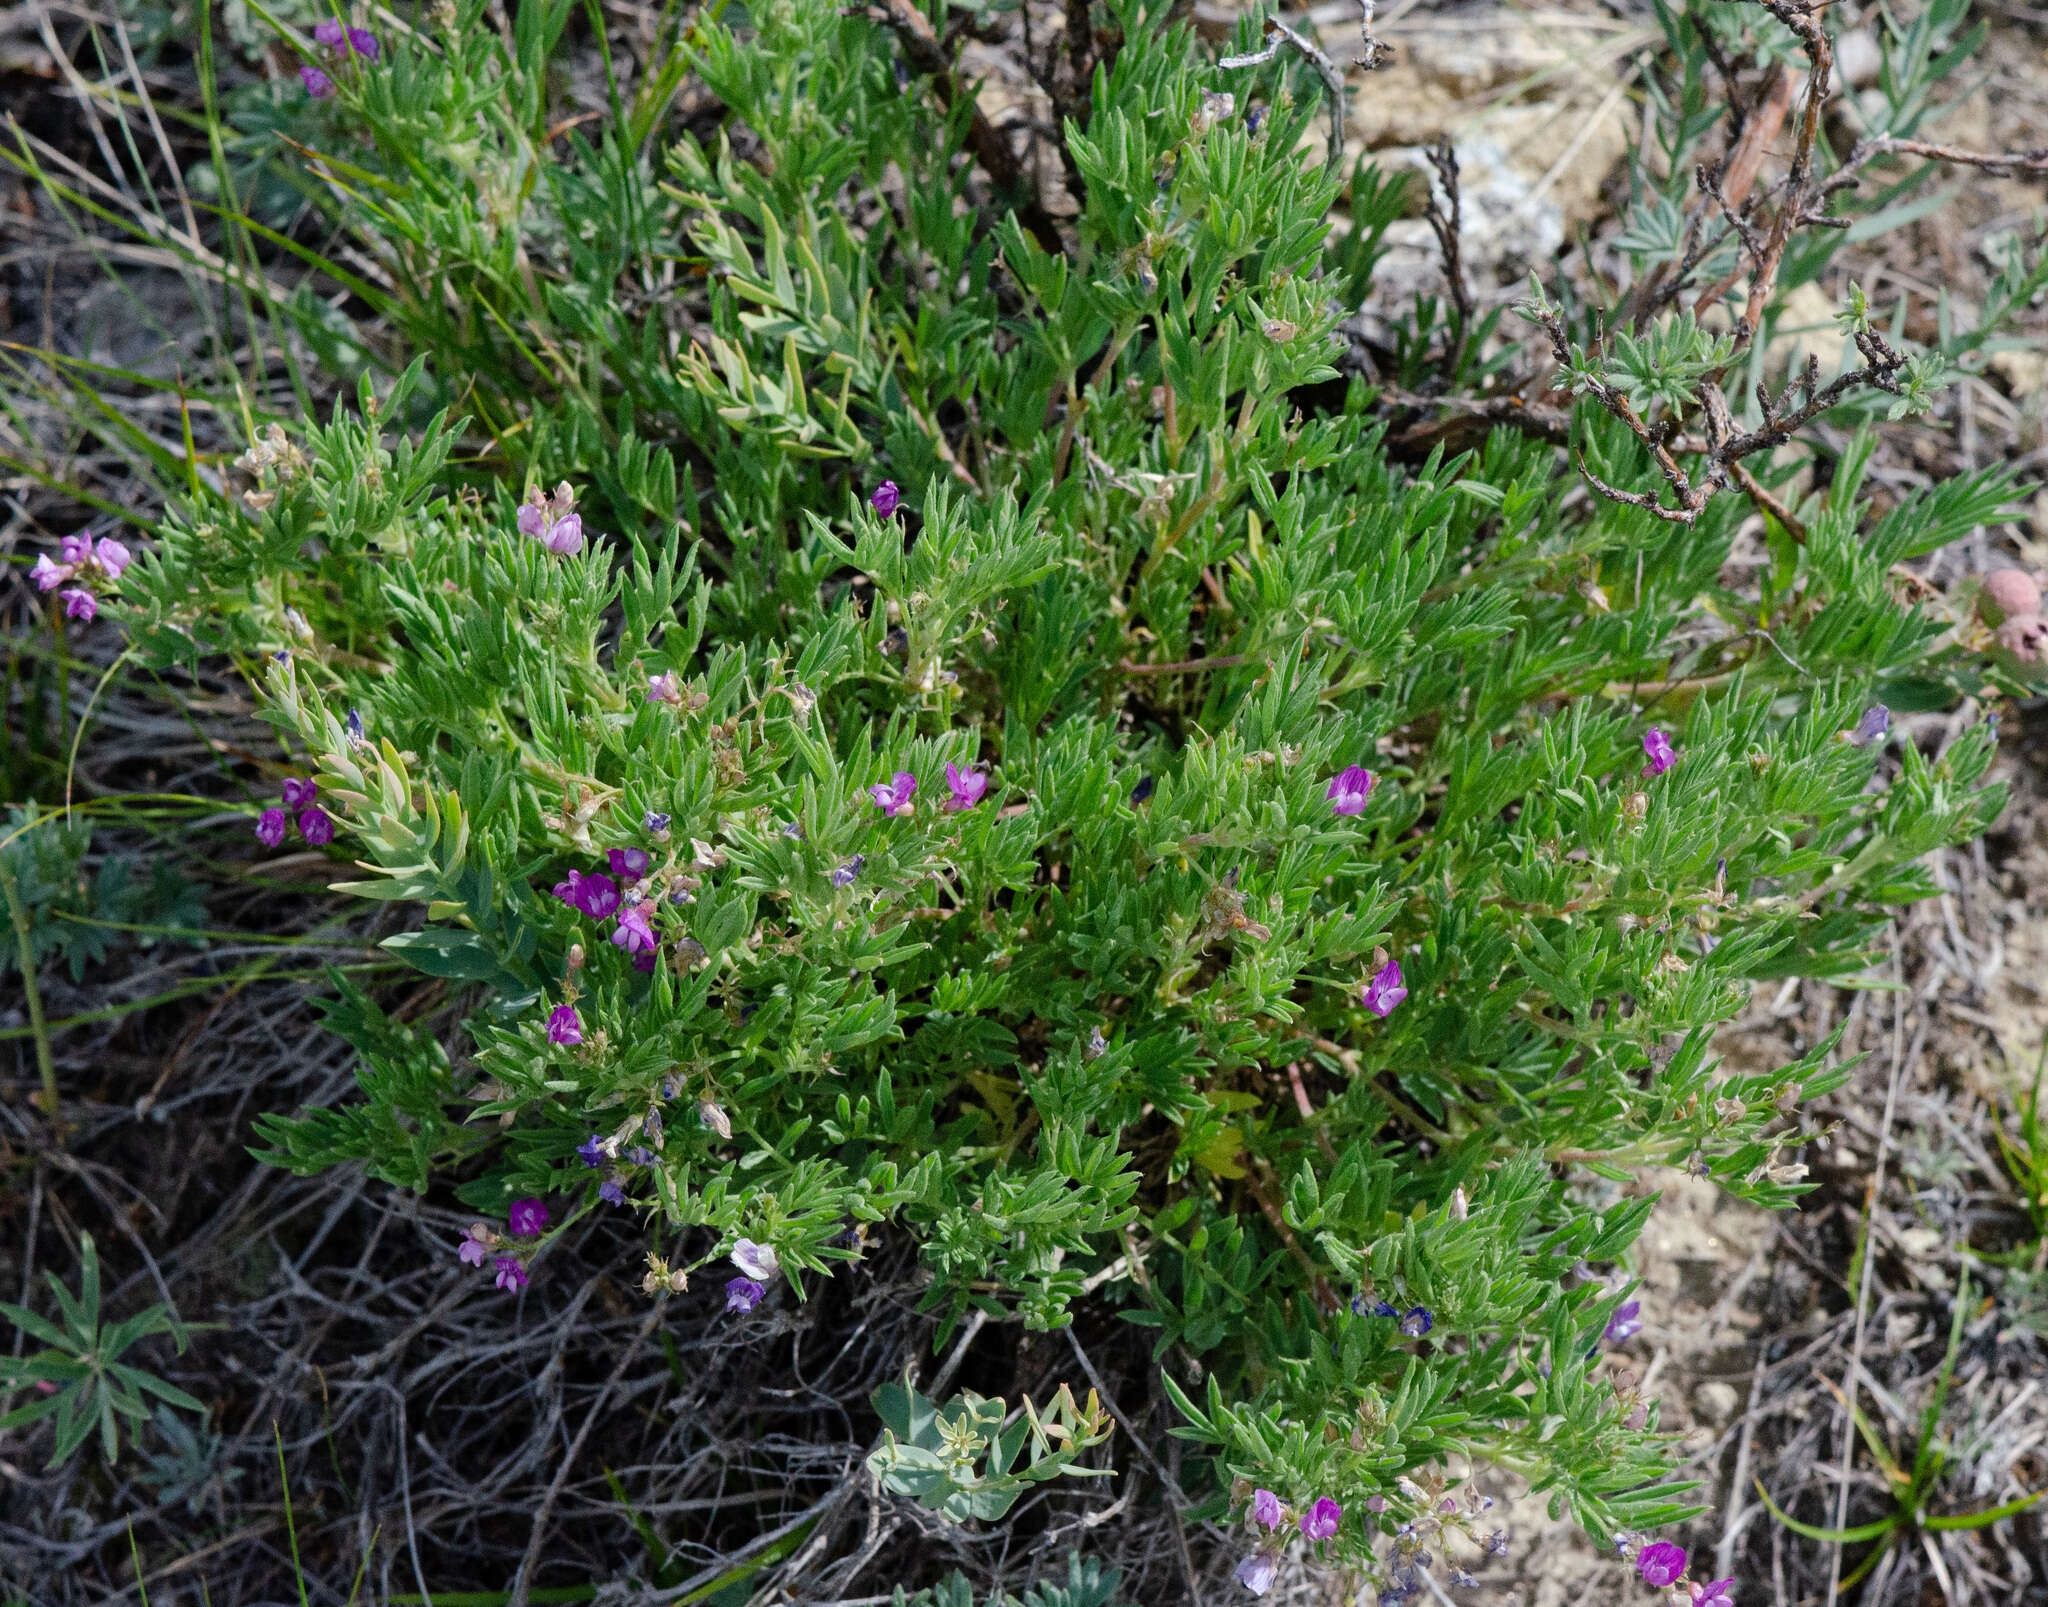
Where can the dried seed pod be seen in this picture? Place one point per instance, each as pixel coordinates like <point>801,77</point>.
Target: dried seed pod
<point>2009,594</point>
<point>2024,637</point>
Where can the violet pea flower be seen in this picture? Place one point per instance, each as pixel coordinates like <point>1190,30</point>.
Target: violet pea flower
<point>1349,789</point>
<point>757,1261</point>
<point>1416,1321</point>
<point>1385,990</point>
<point>364,44</point>
<point>612,1191</point>
<point>271,826</point>
<point>885,499</point>
<point>1662,755</point>
<point>1266,1509</point>
<point>966,787</point>
<point>75,549</point>
<point>49,576</point>
<point>320,86</point>
<point>316,825</point>
<point>892,797</point>
<point>591,1150</point>
<point>565,1027</point>
<point>299,793</point>
<point>527,1217</point>
<point>629,864</point>
<point>511,1274</point>
<point>472,1251</point>
<point>1256,1572</point>
<point>1626,1322</point>
<point>328,32</point>
<point>634,934</point>
<point>1661,1563</point>
<point>1320,1521</point>
<point>1714,1593</point>
<point>80,605</point>
<point>112,557</point>
<point>743,1295</point>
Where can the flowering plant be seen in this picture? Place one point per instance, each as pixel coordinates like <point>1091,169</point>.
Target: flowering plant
<point>1013,755</point>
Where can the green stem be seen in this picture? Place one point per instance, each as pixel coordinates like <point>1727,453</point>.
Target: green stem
<point>25,945</point>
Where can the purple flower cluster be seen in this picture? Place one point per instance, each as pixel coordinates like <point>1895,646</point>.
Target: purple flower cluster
<point>600,898</point>
<point>527,1219</point>
<point>553,522</point>
<point>344,46</point>
<point>1257,1572</point>
<point>79,557</point>
<point>315,824</point>
<point>964,789</point>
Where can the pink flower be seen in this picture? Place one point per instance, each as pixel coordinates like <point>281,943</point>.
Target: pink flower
<point>1661,1563</point>
<point>551,521</point>
<point>299,793</point>
<point>565,1027</point>
<point>1385,990</point>
<point>527,1217</point>
<point>1256,1572</point>
<point>629,864</point>
<point>1320,1521</point>
<point>328,32</point>
<point>271,826</point>
<point>667,687</point>
<point>113,557</point>
<point>966,786</point>
<point>634,934</point>
<point>80,604</point>
<point>49,576</point>
<point>1714,1593</point>
<point>472,1251</point>
<point>1349,789</point>
<point>743,1294</point>
<point>76,549</point>
<point>316,825</point>
<point>320,86</point>
<point>511,1275</point>
<point>1266,1509</point>
<point>1662,756</point>
<point>892,797</point>
<point>886,498</point>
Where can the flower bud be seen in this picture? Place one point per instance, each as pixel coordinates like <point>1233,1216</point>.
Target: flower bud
<point>2007,594</point>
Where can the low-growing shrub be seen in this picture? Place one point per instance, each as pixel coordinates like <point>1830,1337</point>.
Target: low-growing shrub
<point>905,705</point>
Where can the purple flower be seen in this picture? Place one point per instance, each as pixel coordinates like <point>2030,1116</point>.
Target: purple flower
<point>667,687</point>
<point>634,935</point>
<point>49,576</point>
<point>756,1260</point>
<point>551,521</point>
<point>271,826</point>
<point>1256,1572</point>
<point>1714,1593</point>
<point>1384,1308</point>
<point>628,864</point>
<point>639,1156</point>
<point>1384,991</point>
<point>1497,1543</point>
<point>1626,1322</point>
<point>328,32</point>
<point>591,1150</point>
<point>75,549</point>
<point>885,498</point>
<point>656,824</point>
<point>966,786</point>
<point>355,726</point>
<point>472,1250</point>
<point>1661,1563</point>
<point>1320,1521</point>
<point>743,1294</point>
<point>316,825</point>
<point>1266,1509</point>
<point>112,557</point>
<point>843,875</point>
<point>527,1217</point>
<point>1662,756</point>
<point>320,86</point>
<point>1349,789</point>
<point>300,793</point>
<point>79,604</point>
<point>612,1191</point>
<point>364,44</point>
<point>1416,1321</point>
<point>596,895</point>
<point>1375,1503</point>
<point>892,797</point>
<point>1876,721</point>
<point>565,1027</point>
<point>511,1275</point>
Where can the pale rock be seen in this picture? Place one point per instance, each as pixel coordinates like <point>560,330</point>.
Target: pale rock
<point>1807,328</point>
